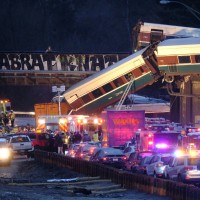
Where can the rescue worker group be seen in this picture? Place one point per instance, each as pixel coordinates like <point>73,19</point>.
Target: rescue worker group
<point>57,141</point>
<point>7,118</point>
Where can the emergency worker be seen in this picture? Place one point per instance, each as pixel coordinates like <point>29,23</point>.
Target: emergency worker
<point>51,143</point>
<point>100,135</point>
<point>77,137</point>
<point>66,141</point>
<point>71,139</point>
<point>5,118</point>
<point>12,118</point>
<point>59,143</point>
<point>1,118</point>
<point>95,137</point>
<point>86,137</point>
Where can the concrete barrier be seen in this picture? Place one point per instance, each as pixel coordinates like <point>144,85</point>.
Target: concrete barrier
<point>143,183</point>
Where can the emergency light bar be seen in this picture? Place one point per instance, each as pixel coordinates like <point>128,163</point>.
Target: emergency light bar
<point>192,129</point>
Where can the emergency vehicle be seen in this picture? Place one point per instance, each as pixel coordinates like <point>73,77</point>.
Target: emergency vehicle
<point>159,141</point>
<point>191,138</point>
<point>68,123</point>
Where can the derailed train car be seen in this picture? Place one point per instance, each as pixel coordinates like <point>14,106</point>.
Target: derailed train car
<point>107,86</point>
<point>170,58</point>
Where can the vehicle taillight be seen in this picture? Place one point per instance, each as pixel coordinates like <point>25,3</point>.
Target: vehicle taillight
<point>188,168</point>
<point>91,151</point>
<point>105,158</point>
<point>124,158</point>
<point>187,177</point>
<point>81,154</point>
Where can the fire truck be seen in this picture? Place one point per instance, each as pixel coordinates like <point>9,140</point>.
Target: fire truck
<point>68,123</point>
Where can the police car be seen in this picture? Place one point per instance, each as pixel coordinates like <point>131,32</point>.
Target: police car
<point>184,168</point>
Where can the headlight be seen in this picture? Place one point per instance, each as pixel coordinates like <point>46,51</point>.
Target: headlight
<point>66,140</point>
<point>4,153</point>
<point>193,153</point>
<point>178,153</point>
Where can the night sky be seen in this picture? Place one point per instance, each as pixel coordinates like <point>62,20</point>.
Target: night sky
<point>77,26</point>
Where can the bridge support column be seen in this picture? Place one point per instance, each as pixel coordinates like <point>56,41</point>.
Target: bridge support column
<point>190,101</point>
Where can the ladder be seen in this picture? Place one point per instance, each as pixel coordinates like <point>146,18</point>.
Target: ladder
<point>119,105</point>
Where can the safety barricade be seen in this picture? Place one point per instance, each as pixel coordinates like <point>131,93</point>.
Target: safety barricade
<point>143,183</point>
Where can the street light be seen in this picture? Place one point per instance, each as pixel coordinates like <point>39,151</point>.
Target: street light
<point>59,90</point>
<point>191,10</point>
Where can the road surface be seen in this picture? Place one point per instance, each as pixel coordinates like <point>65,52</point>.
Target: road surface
<point>23,171</point>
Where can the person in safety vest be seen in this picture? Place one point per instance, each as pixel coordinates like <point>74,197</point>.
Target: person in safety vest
<point>95,137</point>
<point>59,143</point>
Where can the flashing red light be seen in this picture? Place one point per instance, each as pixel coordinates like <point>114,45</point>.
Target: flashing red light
<point>124,158</point>
<point>192,130</point>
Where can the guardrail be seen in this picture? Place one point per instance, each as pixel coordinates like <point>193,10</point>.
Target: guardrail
<point>147,184</point>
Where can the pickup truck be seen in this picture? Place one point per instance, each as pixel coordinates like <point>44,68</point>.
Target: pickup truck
<point>21,145</point>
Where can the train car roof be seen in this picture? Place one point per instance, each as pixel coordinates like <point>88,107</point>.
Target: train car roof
<point>171,29</point>
<point>104,71</point>
<point>172,46</point>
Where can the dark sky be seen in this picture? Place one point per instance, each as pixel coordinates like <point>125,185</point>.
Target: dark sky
<point>77,26</point>
<point>82,26</point>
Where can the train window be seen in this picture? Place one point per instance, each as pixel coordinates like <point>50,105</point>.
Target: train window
<point>197,58</point>
<point>156,35</point>
<point>108,87</point>
<point>118,82</point>
<point>184,59</point>
<point>128,76</point>
<point>86,98</point>
<point>97,93</point>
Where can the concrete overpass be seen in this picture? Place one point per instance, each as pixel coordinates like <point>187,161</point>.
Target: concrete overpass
<point>51,68</point>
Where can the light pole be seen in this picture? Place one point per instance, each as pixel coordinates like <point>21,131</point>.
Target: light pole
<point>59,90</point>
<point>190,9</point>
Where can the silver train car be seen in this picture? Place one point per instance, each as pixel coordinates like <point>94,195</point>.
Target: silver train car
<point>147,33</point>
<point>108,85</point>
<point>178,57</point>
